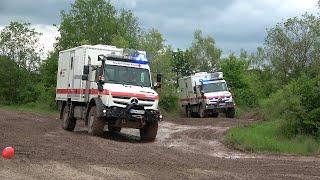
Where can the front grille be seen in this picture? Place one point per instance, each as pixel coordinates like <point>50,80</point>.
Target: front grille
<point>121,97</point>
<point>125,102</point>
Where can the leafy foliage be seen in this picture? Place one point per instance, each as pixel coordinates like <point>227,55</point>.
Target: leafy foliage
<point>204,50</point>
<point>19,42</point>
<point>293,46</point>
<point>97,22</point>
<point>297,104</point>
<point>16,84</point>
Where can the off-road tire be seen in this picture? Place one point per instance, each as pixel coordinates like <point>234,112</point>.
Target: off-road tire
<point>95,124</point>
<point>215,114</point>
<point>68,123</point>
<point>230,113</point>
<point>188,111</point>
<point>202,112</point>
<point>113,129</point>
<point>149,132</point>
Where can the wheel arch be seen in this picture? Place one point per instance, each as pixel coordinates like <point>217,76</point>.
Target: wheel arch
<point>97,102</point>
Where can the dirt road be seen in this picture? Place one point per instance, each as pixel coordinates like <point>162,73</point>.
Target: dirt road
<point>184,149</point>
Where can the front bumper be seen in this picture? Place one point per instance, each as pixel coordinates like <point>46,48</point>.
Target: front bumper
<point>221,105</point>
<point>131,116</point>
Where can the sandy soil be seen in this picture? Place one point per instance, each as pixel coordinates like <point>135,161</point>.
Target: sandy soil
<point>184,149</point>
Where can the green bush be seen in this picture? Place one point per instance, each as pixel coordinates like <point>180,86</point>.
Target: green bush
<point>298,105</point>
<point>17,85</point>
<point>9,81</point>
<point>47,95</point>
<point>246,97</point>
<point>241,82</point>
<point>168,98</point>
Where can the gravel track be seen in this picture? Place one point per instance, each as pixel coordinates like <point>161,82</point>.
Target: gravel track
<point>184,149</point>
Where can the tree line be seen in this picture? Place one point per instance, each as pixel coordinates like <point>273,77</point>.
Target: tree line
<point>281,78</point>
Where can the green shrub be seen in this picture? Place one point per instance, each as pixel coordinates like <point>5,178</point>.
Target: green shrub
<point>168,98</point>
<point>297,104</point>
<point>246,97</point>
<point>17,85</point>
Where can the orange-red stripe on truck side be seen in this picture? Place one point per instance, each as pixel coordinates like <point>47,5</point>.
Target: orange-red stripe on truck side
<point>105,92</point>
<point>189,99</point>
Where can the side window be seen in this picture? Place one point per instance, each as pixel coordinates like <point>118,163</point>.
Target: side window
<point>97,74</point>
<point>109,74</point>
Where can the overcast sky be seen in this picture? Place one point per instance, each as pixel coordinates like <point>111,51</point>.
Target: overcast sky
<point>234,24</point>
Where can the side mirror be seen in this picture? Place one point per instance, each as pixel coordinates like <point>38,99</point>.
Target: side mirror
<point>201,89</point>
<point>100,86</point>
<point>157,85</point>
<point>85,77</point>
<point>101,57</point>
<point>86,69</point>
<point>159,77</point>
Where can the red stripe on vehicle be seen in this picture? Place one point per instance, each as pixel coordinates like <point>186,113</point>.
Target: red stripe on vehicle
<point>106,92</point>
<point>190,99</point>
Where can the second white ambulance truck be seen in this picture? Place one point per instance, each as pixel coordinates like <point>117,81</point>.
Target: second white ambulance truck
<point>106,85</point>
<point>205,94</point>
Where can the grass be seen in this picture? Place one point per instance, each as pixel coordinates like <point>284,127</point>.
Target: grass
<point>32,107</point>
<point>265,137</point>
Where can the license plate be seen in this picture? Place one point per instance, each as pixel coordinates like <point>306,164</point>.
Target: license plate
<point>135,111</point>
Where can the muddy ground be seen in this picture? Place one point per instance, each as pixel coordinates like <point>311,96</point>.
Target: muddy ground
<point>184,149</point>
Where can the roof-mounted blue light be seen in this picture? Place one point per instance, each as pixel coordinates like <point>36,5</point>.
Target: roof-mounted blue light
<point>140,58</point>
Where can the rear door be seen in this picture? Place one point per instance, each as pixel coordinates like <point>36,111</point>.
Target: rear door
<point>71,90</point>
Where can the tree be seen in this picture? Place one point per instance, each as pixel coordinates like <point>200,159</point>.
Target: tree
<point>258,59</point>
<point>158,54</point>
<point>205,52</point>
<point>9,74</point>
<point>20,42</point>
<point>97,22</point>
<point>182,63</point>
<point>129,28</point>
<point>152,42</point>
<point>293,46</point>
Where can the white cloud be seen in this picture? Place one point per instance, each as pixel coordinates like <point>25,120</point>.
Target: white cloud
<point>235,24</point>
<point>48,38</point>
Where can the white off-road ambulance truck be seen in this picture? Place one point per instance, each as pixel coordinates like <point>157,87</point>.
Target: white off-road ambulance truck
<point>105,85</point>
<point>206,94</point>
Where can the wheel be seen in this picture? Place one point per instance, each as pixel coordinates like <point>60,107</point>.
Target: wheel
<point>114,129</point>
<point>215,114</point>
<point>202,112</point>
<point>188,111</point>
<point>149,132</point>
<point>230,113</point>
<point>95,124</point>
<point>68,123</point>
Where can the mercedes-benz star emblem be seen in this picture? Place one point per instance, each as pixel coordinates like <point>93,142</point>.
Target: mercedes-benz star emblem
<point>134,101</point>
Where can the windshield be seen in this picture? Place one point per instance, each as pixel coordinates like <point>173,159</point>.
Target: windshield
<point>127,75</point>
<point>215,87</point>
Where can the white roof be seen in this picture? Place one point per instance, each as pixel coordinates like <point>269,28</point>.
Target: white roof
<point>100,47</point>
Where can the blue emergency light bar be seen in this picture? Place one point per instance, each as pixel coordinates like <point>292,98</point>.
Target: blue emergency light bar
<point>135,58</point>
<point>208,81</point>
<point>140,59</point>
